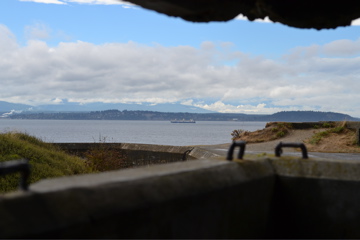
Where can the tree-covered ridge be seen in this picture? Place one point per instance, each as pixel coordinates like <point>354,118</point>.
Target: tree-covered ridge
<point>291,116</point>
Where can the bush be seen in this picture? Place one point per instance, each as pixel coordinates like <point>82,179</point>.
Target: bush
<point>327,125</point>
<point>280,134</point>
<point>281,129</point>
<point>236,134</point>
<point>106,158</point>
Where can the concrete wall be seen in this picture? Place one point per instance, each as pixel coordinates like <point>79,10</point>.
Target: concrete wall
<point>193,199</point>
<point>140,154</point>
<point>260,198</point>
<point>316,199</point>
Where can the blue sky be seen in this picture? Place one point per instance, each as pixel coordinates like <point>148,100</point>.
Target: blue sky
<point>108,51</point>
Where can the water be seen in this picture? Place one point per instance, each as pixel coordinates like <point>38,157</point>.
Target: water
<point>147,132</point>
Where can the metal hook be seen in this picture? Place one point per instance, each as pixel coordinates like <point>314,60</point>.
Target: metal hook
<point>185,154</point>
<point>240,144</point>
<point>22,166</point>
<point>278,150</point>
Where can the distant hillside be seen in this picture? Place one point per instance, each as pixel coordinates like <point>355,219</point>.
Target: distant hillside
<point>7,107</point>
<point>165,111</point>
<point>294,116</point>
<point>66,106</point>
<point>309,116</point>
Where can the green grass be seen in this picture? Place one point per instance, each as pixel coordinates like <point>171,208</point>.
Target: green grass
<point>46,160</point>
<point>320,135</point>
<point>281,134</point>
<point>281,129</point>
<point>285,125</point>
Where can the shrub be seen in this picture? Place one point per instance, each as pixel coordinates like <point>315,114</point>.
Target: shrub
<point>338,129</point>
<point>106,158</point>
<point>275,129</point>
<point>318,136</point>
<point>281,129</point>
<point>236,134</point>
<point>327,125</point>
<point>280,134</point>
<point>285,125</point>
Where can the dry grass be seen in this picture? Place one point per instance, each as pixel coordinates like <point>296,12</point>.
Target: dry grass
<point>105,158</point>
<point>338,139</point>
<point>272,131</point>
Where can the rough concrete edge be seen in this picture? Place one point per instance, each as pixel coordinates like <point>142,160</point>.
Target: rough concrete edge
<point>194,152</point>
<point>200,153</point>
<point>123,175</point>
<point>335,169</point>
<point>155,148</point>
<point>129,146</point>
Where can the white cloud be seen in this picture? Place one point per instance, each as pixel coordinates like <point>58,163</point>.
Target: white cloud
<point>343,47</point>
<point>4,115</point>
<point>57,101</point>
<point>265,20</point>
<point>37,31</point>
<point>338,48</point>
<point>130,72</point>
<point>102,2</point>
<point>356,22</point>
<point>219,106</point>
<point>7,40</point>
<point>45,1</point>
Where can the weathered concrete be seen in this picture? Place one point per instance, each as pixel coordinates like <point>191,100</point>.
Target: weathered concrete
<point>356,126</point>
<point>284,197</point>
<point>139,154</point>
<point>316,198</point>
<point>194,199</point>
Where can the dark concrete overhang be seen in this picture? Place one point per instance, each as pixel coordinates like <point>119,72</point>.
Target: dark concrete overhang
<point>318,14</point>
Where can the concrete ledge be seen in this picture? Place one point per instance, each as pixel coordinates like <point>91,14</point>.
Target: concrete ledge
<point>283,197</point>
<point>345,170</point>
<point>202,198</point>
<point>356,126</point>
<point>315,198</point>
<point>136,154</point>
<point>83,147</point>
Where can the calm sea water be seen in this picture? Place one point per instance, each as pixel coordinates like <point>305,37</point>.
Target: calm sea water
<point>147,132</point>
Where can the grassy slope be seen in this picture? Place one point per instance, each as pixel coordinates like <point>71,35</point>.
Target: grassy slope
<point>45,159</point>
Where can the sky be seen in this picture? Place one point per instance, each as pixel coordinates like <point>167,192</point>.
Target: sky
<point>53,51</point>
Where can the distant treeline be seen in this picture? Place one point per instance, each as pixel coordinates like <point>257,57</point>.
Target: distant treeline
<point>286,116</point>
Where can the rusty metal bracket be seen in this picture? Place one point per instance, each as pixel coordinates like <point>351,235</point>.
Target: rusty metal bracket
<point>278,148</point>
<point>240,144</point>
<point>22,166</point>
